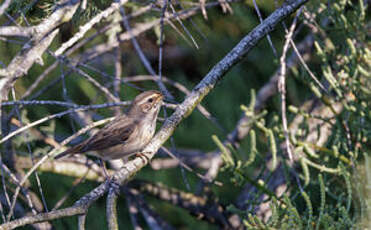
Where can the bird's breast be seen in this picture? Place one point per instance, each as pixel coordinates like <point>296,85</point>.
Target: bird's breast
<point>142,134</point>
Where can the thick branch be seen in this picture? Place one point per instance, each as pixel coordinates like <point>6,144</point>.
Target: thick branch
<point>112,209</point>
<point>72,211</point>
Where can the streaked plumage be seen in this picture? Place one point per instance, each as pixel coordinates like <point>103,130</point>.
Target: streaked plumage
<point>126,134</point>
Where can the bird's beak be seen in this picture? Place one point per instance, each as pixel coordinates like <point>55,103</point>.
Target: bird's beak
<point>160,97</point>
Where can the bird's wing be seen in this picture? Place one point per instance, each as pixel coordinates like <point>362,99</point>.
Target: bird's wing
<point>114,133</point>
<point>109,136</point>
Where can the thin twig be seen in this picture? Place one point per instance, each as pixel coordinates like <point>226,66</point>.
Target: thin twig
<point>268,36</point>
<point>142,56</point>
<point>117,79</point>
<point>282,85</point>
<point>136,31</point>
<point>183,26</point>
<point>31,157</point>
<point>133,212</point>
<point>154,221</point>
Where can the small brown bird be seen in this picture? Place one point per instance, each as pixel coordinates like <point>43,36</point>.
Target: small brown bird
<point>127,134</point>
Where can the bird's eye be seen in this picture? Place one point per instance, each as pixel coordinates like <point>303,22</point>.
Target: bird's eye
<point>150,100</point>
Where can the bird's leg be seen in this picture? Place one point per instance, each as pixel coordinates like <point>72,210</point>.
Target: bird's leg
<point>113,184</point>
<point>103,165</point>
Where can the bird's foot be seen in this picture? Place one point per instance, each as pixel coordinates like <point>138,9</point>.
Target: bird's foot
<point>114,185</point>
<point>143,156</point>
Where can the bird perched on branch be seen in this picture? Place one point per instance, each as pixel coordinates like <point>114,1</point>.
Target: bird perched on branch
<point>127,134</point>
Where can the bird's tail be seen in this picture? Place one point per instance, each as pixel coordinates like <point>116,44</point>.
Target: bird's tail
<point>69,151</point>
<point>63,154</point>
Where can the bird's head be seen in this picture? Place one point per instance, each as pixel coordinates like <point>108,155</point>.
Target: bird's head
<point>147,103</point>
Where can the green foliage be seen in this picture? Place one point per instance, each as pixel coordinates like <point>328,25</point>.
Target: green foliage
<point>343,56</point>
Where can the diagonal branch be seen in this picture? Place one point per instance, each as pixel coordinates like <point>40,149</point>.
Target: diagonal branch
<point>184,109</point>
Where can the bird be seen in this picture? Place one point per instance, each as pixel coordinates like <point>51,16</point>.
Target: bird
<point>127,134</point>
